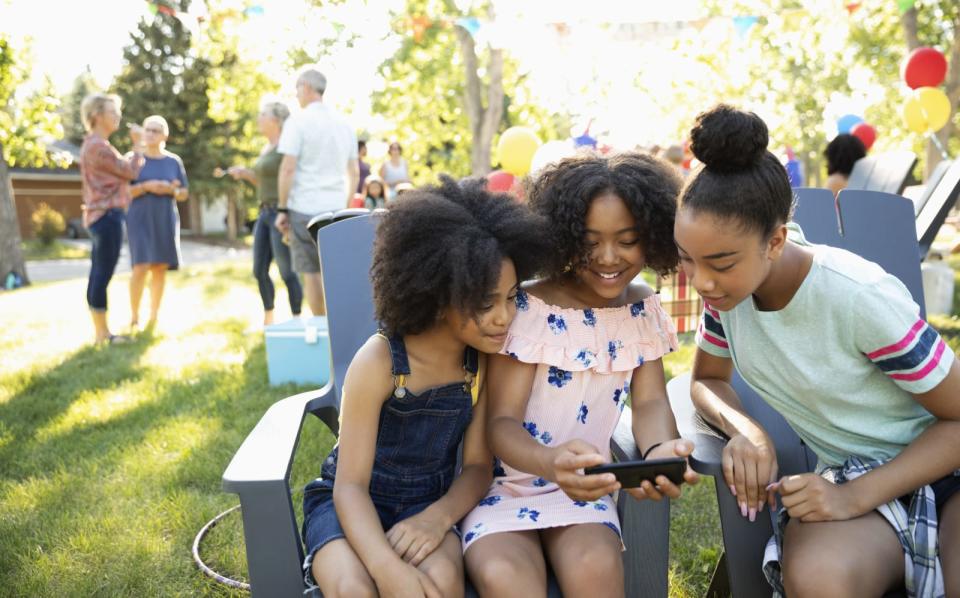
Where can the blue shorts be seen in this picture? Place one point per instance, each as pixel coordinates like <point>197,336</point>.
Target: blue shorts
<point>321,524</point>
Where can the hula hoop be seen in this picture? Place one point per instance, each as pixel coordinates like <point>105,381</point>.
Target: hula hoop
<point>233,583</point>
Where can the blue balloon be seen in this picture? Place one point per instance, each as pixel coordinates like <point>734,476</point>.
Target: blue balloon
<point>847,122</point>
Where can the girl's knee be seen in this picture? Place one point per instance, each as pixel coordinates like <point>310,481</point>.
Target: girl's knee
<point>499,575</point>
<point>446,574</point>
<point>349,585</point>
<point>819,574</point>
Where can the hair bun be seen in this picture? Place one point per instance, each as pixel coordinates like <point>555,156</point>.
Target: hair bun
<point>728,140</point>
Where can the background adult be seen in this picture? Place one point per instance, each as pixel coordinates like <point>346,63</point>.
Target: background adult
<point>268,244</point>
<point>363,164</point>
<point>105,175</point>
<point>394,170</point>
<point>319,173</point>
<point>153,224</point>
<point>842,153</point>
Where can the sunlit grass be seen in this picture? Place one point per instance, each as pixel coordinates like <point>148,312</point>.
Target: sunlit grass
<point>33,249</point>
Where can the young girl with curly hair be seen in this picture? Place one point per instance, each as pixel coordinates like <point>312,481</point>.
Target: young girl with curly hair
<point>380,519</point>
<point>586,340</point>
<point>837,346</point>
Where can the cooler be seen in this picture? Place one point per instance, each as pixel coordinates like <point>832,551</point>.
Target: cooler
<point>298,351</point>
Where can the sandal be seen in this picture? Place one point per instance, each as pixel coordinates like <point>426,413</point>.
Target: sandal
<point>118,339</point>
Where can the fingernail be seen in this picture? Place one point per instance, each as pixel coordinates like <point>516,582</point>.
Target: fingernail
<point>733,489</point>
<point>753,514</point>
<point>772,486</point>
<point>743,509</point>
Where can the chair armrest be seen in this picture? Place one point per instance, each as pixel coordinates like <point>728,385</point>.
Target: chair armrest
<point>707,457</point>
<point>622,444</point>
<point>267,453</point>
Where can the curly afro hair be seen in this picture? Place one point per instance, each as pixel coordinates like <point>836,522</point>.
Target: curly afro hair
<point>443,246</point>
<point>740,180</point>
<point>562,194</point>
<point>842,152</point>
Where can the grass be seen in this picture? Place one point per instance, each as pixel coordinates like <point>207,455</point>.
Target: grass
<point>33,249</point>
<point>111,457</point>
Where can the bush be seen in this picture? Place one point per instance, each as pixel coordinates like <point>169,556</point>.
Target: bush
<point>48,224</point>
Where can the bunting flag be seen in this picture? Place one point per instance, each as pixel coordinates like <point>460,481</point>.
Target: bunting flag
<point>852,7</point>
<point>905,5</point>
<point>742,24</point>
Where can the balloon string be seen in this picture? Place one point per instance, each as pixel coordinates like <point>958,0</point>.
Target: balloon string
<point>936,142</point>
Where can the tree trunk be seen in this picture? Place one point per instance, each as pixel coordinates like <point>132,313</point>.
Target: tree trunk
<point>952,84</point>
<point>231,217</point>
<point>11,254</point>
<point>484,121</point>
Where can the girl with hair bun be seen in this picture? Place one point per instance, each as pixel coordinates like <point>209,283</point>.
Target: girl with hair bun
<point>834,344</point>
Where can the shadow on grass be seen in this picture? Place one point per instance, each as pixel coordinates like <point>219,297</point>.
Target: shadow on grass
<point>50,393</point>
<point>83,475</point>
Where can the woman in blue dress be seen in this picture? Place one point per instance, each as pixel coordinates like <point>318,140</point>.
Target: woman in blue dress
<point>153,224</point>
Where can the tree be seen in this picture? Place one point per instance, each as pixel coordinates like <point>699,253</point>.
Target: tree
<point>447,98</point>
<point>163,75</point>
<point>83,86</point>
<point>25,126</point>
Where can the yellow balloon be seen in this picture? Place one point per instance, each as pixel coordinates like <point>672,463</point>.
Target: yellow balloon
<point>927,110</point>
<point>516,148</point>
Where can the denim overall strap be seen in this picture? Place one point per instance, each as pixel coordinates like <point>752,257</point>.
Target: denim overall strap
<point>399,364</point>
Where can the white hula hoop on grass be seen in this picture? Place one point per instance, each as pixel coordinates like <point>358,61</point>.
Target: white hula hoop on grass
<point>233,583</point>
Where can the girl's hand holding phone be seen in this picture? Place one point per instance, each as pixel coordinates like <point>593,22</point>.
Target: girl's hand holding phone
<point>664,487</point>
<point>566,469</point>
<point>414,538</point>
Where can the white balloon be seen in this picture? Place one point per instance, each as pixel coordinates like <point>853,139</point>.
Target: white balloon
<point>551,152</point>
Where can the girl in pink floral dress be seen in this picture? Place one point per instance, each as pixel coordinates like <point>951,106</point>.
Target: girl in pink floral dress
<point>584,342</point>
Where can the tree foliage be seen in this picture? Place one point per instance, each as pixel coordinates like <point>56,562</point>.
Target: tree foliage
<point>425,90</point>
<point>83,85</point>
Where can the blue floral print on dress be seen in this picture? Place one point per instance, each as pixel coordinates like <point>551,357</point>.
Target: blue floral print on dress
<point>636,309</point>
<point>556,323</point>
<point>513,355</point>
<point>611,526</point>
<point>523,303</point>
<point>475,532</point>
<point>540,482</point>
<point>582,414</point>
<point>613,347</point>
<point>498,471</point>
<point>489,501</point>
<point>639,360</point>
<point>546,438</point>
<point>580,503</point>
<point>558,377</point>
<point>531,428</point>
<point>586,357</point>
<point>530,514</point>
<point>589,318</point>
<point>599,506</point>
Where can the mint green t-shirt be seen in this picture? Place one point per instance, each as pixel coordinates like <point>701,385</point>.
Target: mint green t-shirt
<point>841,361</point>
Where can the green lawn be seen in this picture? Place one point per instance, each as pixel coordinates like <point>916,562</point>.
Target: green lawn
<point>110,457</point>
<point>33,249</point>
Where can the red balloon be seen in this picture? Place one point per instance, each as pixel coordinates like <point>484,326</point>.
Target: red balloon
<point>865,133</point>
<point>924,67</point>
<point>499,181</point>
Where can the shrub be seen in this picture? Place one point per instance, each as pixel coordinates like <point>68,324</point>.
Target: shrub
<point>48,223</point>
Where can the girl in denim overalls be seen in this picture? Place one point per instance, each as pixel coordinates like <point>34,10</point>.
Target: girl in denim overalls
<point>380,519</point>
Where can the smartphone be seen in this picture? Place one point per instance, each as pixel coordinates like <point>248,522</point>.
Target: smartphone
<point>631,473</point>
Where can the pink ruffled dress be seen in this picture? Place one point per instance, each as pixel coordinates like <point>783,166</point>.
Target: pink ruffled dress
<point>585,359</point>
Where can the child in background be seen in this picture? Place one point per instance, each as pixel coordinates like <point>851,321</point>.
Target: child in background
<point>380,519</point>
<point>374,193</point>
<point>586,340</point>
<point>836,346</point>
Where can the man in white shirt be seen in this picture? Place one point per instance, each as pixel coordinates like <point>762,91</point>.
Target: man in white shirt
<point>318,174</point>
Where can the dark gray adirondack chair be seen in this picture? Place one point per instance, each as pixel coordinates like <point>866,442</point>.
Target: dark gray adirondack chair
<point>885,172</point>
<point>876,226</point>
<point>939,198</point>
<point>259,471</point>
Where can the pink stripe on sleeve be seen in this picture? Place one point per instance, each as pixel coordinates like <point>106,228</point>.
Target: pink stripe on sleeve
<point>901,344</point>
<point>712,339</point>
<point>917,375</point>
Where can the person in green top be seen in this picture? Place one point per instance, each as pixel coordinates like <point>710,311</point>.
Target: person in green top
<point>268,243</point>
<point>837,346</point>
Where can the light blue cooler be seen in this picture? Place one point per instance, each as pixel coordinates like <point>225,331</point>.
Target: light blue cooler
<point>298,351</point>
